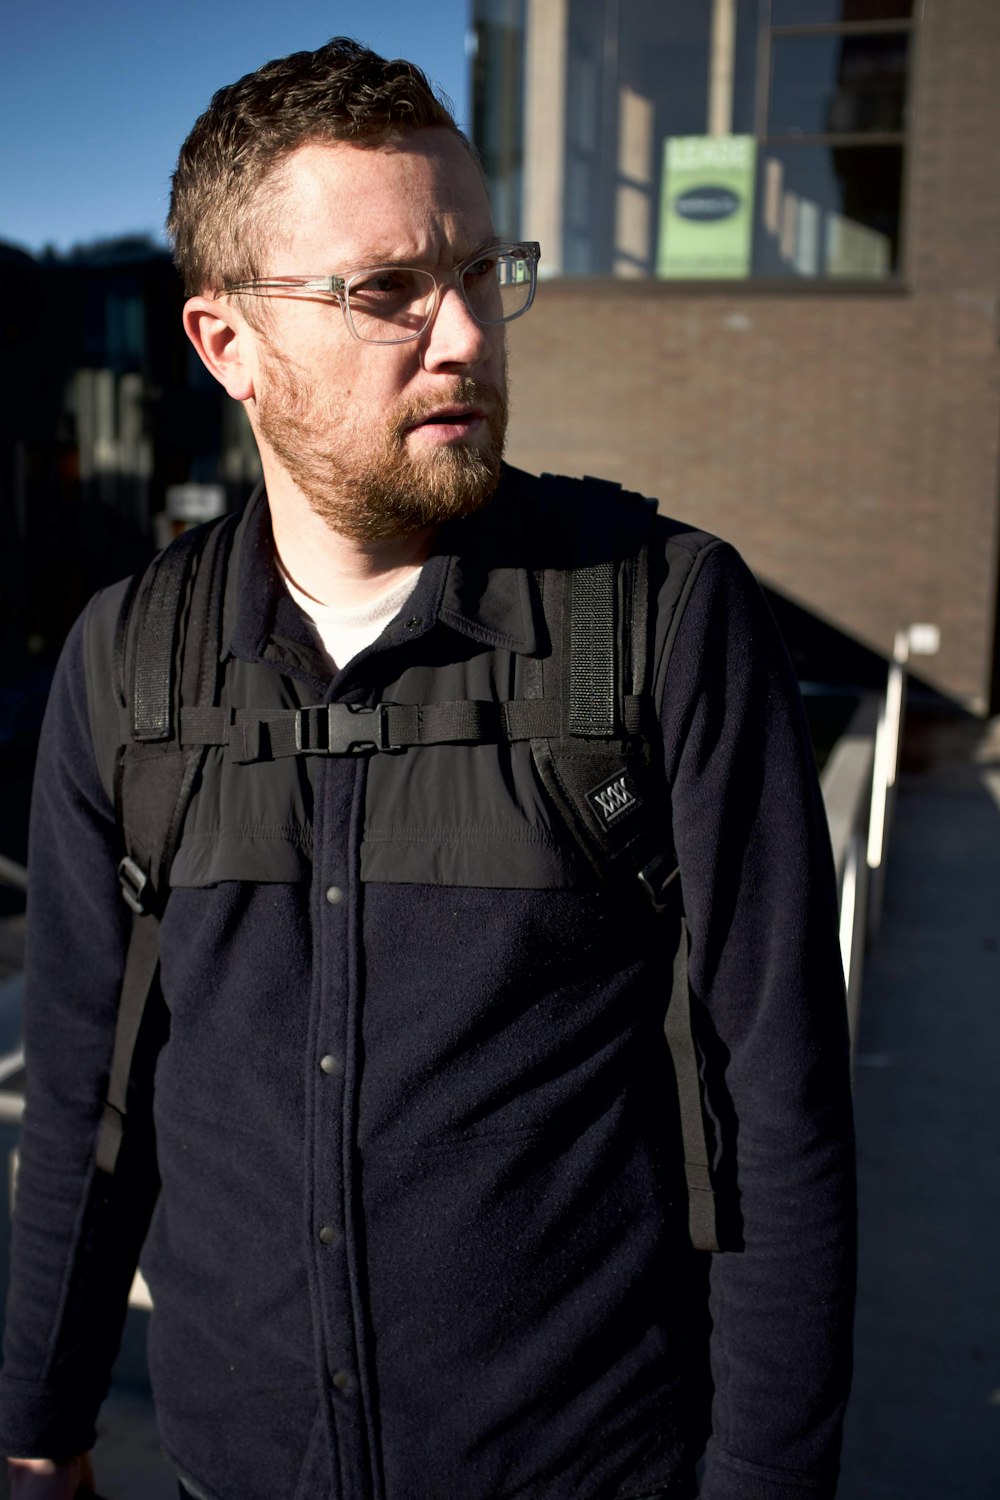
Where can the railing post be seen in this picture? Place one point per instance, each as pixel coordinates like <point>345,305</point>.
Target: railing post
<point>922,640</point>
<point>847,787</point>
<point>887,737</point>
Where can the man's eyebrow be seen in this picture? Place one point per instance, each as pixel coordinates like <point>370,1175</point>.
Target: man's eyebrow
<point>486,244</point>
<point>375,258</point>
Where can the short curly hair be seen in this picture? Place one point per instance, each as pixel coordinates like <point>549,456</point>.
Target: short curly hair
<point>340,92</point>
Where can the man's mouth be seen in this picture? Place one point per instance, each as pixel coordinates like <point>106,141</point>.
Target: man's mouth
<point>448,422</point>
<point>449,416</point>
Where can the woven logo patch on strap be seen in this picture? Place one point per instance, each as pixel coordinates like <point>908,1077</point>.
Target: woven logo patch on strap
<point>613,799</point>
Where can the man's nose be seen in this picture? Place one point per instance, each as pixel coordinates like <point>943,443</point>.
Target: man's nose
<point>453,336</point>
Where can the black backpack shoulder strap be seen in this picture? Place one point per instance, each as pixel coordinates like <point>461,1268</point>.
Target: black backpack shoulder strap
<point>603,768</point>
<point>604,771</point>
<point>166,650</point>
<point>591,762</point>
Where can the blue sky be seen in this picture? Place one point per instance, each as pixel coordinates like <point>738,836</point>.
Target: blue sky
<point>96,98</point>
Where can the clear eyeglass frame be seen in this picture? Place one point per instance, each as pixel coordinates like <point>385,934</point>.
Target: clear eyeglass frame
<point>506,286</point>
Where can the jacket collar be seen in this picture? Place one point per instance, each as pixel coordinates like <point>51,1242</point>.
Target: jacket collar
<point>489,592</point>
<point>478,581</point>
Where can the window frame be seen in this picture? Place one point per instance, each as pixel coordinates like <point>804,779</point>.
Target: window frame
<point>767,34</point>
<point>763,32</point>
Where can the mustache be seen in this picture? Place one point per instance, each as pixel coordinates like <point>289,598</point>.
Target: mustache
<point>464,391</point>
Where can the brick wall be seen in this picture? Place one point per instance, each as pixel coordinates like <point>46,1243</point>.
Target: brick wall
<point>848,443</point>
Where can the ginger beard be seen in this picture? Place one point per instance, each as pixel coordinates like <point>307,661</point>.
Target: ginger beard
<point>359,476</point>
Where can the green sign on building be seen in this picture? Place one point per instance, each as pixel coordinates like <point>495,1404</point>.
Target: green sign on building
<point>706,211</point>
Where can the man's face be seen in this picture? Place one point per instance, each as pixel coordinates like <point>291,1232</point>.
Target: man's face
<point>380,439</point>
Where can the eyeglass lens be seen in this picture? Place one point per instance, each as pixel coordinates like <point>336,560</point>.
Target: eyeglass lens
<point>395,302</point>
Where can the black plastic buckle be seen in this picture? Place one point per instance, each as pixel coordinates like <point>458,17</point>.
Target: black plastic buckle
<point>334,729</point>
<point>133,883</point>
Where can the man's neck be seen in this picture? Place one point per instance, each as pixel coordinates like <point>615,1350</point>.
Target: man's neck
<point>335,569</point>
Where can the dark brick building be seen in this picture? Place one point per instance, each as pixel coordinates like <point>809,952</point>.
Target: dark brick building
<point>839,421</point>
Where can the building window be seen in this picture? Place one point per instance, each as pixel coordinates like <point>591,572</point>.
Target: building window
<point>733,139</point>
<point>831,155</point>
<point>496,47</point>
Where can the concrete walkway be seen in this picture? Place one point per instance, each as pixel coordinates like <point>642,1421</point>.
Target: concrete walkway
<point>925,1418</point>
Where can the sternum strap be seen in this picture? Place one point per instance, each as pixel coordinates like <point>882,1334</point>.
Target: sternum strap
<point>345,729</point>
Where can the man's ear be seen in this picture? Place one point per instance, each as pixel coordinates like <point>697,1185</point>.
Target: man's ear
<point>224,344</point>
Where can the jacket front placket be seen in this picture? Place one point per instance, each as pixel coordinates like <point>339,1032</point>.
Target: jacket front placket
<point>496,610</point>
<point>333,1200</point>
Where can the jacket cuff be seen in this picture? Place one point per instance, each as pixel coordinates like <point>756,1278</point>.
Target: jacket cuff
<point>39,1422</point>
<point>729,1478</point>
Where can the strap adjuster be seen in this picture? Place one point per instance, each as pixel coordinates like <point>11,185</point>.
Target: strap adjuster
<point>658,879</point>
<point>133,882</point>
<point>342,729</point>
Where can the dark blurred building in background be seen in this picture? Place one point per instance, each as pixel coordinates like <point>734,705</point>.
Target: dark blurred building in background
<point>106,412</point>
<point>770,234</point>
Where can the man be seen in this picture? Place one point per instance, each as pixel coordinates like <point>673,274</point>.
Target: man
<point>422,1231</point>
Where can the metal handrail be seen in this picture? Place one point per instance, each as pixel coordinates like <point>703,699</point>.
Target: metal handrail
<point>859,785</point>
<point>847,794</point>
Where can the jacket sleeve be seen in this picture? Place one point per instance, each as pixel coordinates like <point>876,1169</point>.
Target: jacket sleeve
<point>75,1236</point>
<point>767,987</point>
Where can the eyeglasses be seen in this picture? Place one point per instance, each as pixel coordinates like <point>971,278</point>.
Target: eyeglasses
<point>391,304</point>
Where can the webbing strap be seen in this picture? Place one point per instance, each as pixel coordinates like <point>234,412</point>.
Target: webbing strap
<point>591,709</point>
<point>141,964</point>
<point>702,1217</point>
<point>344,729</point>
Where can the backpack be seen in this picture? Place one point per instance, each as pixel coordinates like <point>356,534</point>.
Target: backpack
<point>589,715</point>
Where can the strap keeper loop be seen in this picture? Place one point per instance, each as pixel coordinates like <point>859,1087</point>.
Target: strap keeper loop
<point>244,738</point>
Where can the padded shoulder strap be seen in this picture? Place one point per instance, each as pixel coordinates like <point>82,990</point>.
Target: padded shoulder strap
<point>167,650</point>
<point>169,654</point>
<point>601,769</point>
<point>605,770</point>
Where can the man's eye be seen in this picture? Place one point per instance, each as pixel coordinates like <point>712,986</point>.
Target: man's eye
<point>485,266</point>
<point>381,284</point>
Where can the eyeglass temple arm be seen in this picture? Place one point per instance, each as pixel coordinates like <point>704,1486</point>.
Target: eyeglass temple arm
<point>333,284</point>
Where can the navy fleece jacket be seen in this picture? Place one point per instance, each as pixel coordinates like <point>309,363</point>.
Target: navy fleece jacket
<point>421,1232</point>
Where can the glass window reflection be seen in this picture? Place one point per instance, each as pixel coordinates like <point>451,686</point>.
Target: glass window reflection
<point>830,211</point>
<point>835,85</point>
